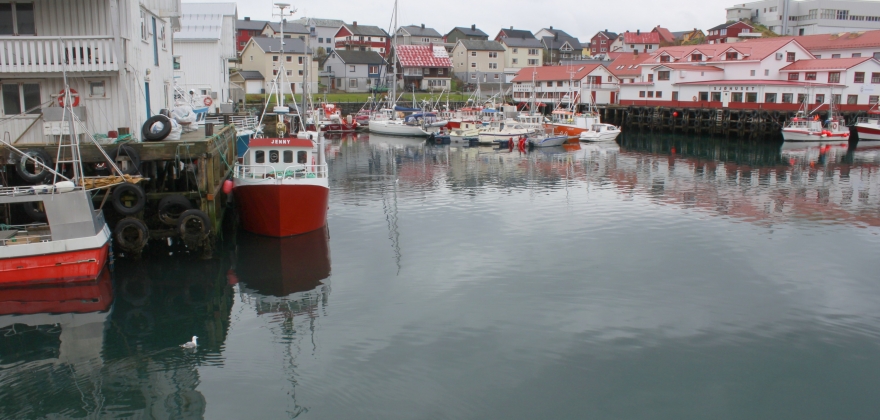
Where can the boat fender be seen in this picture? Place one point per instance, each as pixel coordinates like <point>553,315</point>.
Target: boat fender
<point>695,98</point>
<point>129,156</point>
<point>34,211</point>
<point>156,128</point>
<point>40,173</point>
<point>131,234</point>
<point>227,187</point>
<point>193,226</point>
<point>128,198</point>
<point>171,207</point>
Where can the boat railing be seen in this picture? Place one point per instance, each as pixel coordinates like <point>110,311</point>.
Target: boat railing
<point>24,234</point>
<point>868,120</point>
<point>241,122</point>
<point>299,171</point>
<point>33,190</point>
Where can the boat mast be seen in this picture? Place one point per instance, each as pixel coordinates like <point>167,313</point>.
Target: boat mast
<point>394,63</point>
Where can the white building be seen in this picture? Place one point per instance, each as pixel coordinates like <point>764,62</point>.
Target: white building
<point>204,47</point>
<point>767,74</point>
<point>325,30</point>
<point>808,17</point>
<point>554,84</point>
<point>118,61</point>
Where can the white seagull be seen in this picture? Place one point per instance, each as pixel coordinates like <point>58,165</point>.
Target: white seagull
<point>192,344</point>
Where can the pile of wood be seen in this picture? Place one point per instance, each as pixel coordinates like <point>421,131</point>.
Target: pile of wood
<point>109,181</point>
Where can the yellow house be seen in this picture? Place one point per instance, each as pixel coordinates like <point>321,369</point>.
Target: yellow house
<point>287,69</point>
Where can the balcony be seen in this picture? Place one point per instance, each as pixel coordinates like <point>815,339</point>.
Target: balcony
<point>46,54</point>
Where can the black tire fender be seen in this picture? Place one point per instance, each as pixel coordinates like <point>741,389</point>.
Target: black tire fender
<point>128,198</point>
<point>193,225</point>
<point>33,211</point>
<point>160,134</point>
<point>170,209</point>
<point>131,234</point>
<point>127,160</point>
<point>40,173</point>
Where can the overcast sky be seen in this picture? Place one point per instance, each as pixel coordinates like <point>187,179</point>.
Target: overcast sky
<point>579,18</point>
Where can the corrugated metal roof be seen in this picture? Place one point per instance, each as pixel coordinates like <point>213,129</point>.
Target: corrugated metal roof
<point>225,9</point>
<point>423,56</point>
<point>480,45</point>
<point>366,30</point>
<point>522,43</point>
<point>324,23</point>
<point>251,75</point>
<point>289,27</point>
<point>250,25</point>
<point>469,31</point>
<point>825,64</point>
<point>554,73</point>
<point>291,45</point>
<point>416,30</point>
<point>358,57</point>
<point>199,27</point>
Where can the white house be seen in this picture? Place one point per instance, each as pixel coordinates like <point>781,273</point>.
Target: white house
<point>808,17</point>
<point>119,62</point>
<point>203,48</point>
<point>588,83</point>
<point>766,74</point>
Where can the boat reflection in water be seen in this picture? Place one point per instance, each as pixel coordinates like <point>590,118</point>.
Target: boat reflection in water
<point>271,268</point>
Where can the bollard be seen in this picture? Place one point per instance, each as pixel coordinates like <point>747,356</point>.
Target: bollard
<point>209,129</point>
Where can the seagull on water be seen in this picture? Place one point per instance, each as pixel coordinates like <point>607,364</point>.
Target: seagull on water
<point>192,344</point>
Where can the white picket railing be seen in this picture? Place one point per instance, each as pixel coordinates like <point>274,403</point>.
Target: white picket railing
<point>44,54</point>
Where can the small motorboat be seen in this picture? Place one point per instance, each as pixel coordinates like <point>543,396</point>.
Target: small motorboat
<point>547,140</point>
<point>600,132</point>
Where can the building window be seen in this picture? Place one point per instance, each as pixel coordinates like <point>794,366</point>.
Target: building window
<point>674,96</point>
<point>856,55</point>
<point>665,59</point>
<point>274,58</point>
<point>659,94</point>
<point>493,54</point>
<point>289,72</point>
<point>426,71</point>
<point>789,57</point>
<point>473,65</point>
<point>810,75</point>
<point>716,96</point>
<point>641,94</point>
<point>663,75</point>
<point>877,54</point>
<point>820,98</point>
<point>736,97</point>
<point>352,83</point>
<point>496,76</point>
<point>794,76</point>
<point>835,98</point>
<point>873,99</point>
<point>549,84</point>
<point>752,73</point>
<point>493,65</point>
<point>859,77</point>
<point>516,50</point>
<point>373,69</point>
<point>533,51</point>
<point>300,72</point>
<point>769,98</point>
<point>351,69</point>
<point>533,62</point>
<point>289,58</point>
<point>875,77</point>
<point>21,98</point>
<point>852,99</point>
<point>275,72</point>
<point>515,61</point>
<point>834,77</point>
<point>766,72</point>
<point>473,53</point>
<point>300,59</point>
<point>559,84</point>
<point>473,76</point>
<point>175,62</point>
<point>650,77</point>
<point>320,40</point>
<point>752,97</point>
<point>835,55</point>
<point>610,79</point>
<point>696,57</point>
<point>650,93</point>
<point>704,96</point>
<point>17,19</point>
<point>787,98</point>
<point>730,55</point>
<point>802,98</point>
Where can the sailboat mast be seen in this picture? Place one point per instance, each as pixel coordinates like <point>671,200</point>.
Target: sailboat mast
<point>394,60</point>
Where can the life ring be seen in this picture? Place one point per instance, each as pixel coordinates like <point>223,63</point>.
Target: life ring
<point>208,101</point>
<point>695,98</point>
<point>73,94</point>
<point>834,126</point>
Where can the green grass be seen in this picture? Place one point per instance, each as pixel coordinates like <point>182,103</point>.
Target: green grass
<point>359,97</point>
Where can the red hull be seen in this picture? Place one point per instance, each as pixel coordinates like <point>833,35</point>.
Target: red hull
<point>336,128</point>
<point>63,267</point>
<point>281,210</point>
<point>866,133</point>
<point>83,297</point>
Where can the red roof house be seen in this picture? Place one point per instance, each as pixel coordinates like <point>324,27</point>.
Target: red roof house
<point>427,67</point>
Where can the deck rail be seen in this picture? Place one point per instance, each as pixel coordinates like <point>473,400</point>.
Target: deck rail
<point>46,54</point>
<point>290,172</point>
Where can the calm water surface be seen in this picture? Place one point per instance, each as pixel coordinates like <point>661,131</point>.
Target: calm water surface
<point>656,278</point>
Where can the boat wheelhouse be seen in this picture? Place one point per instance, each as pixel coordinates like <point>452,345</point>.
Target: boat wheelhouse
<point>281,187</point>
<point>869,127</point>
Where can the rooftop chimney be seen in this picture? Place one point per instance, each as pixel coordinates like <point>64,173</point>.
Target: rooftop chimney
<point>473,27</point>
<point>551,27</point>
<point>511,28</point>
<point>606,30</point>
<point>355,23</point>
<point>423,26</point>
<point>247,18</point>
<point>638,31</point>
<point>636,53</point>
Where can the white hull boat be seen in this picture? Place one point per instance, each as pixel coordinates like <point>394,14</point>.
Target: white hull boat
<point>398,128</point>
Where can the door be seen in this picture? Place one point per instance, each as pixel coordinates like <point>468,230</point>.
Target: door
<point>613,97</point>
<point>332,83</point>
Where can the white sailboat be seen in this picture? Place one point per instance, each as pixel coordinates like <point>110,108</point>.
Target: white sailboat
<point>388,122</point>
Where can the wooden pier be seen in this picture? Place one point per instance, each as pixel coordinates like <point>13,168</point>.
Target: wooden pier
<point>192,168</point>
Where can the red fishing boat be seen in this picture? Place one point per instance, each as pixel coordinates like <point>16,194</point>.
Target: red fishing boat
<point>281,186</point>
<point>328,118</point>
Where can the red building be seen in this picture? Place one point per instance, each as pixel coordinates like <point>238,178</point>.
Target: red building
<point>356,37</point>
<point>247,29</point>
<point>601,42</point>
<point>727,32</point>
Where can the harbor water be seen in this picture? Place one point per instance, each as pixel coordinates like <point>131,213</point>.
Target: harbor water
<point>656,277</point>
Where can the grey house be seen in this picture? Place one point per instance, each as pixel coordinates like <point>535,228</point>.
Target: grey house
<point>352,71</point>
<point>418,35</point>
<point>459,33</point>
<point>478,61</point>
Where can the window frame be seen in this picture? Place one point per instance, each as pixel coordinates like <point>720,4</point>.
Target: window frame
<point>21,97</point>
